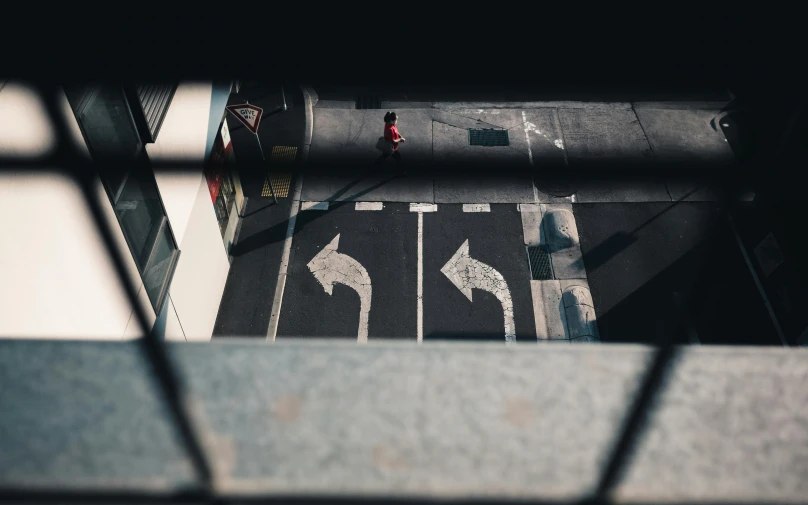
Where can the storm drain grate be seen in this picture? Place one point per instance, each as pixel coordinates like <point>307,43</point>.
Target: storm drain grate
<point>488,138</point>
<point>539,260</point>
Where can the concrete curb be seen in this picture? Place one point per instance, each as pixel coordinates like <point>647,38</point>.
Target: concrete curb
<point>532,105</point>
<point>692,105</point>
<point>310,99</point>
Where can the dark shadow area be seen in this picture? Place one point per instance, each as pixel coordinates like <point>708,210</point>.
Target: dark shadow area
<point>714,286</point>
<point>277,232</point>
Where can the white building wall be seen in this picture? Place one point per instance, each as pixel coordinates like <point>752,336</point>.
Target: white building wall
<point>201,272</point>
<point>56,277</point>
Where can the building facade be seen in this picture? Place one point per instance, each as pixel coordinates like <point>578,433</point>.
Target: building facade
<point>173,226</point>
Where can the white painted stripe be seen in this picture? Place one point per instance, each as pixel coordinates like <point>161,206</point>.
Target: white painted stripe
<point>476,207</point>
<point>527,137</point>
<point>423,207</point>
<point>369,205</point>
<point>762,292</point>
<point>420,277</point>
<point>314,206</point>
<point>572,198</point>
<point>528,207</point>
<point>287,248</point>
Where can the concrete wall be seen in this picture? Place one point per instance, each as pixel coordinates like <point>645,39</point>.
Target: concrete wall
<point>56,277</point>
<point>199,279</point>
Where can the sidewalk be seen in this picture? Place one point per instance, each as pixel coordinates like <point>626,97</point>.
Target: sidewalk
<point>560,134</point>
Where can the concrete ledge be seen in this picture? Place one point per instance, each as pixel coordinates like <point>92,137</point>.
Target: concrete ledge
<point>532,105</point>
<point>689,105</point>
<point>451,420</point>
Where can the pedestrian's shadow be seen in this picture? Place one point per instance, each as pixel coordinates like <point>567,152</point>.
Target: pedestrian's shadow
<point>278,232</point>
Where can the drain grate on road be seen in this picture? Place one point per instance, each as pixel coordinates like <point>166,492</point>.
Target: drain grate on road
<point>280,181</point>
<point>488,138</point>
<point>539,260</point>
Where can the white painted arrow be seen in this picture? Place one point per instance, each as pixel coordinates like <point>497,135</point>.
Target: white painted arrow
<point>466,273</point>
<point>330,267</point>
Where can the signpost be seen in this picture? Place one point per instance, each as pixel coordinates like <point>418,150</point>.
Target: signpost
<point>250,116</point>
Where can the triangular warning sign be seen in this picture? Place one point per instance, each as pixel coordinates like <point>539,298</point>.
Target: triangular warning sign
<point>248,114</point>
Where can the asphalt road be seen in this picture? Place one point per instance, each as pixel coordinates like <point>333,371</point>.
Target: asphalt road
<point>646,261</point>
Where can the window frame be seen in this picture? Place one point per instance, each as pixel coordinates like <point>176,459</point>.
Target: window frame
<point>87,99</point>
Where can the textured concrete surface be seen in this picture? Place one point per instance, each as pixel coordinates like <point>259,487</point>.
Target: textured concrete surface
<point>685,135</point>
<point>345,136</point>
<point>369,187</point>
<point>548,310</point>
<point>592,134</point>
<point>440,420</point>
<point>650,189</point>
<point>451,145</point>
<point>489,189</point>
<point>561,239</point>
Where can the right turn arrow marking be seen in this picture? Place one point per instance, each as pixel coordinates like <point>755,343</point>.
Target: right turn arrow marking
<point>467,273</point>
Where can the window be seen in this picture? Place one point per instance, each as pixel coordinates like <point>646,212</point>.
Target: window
<point>111,135</point>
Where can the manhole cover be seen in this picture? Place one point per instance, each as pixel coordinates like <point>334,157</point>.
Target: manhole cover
<point>539,260</point>
<point>488,138</point>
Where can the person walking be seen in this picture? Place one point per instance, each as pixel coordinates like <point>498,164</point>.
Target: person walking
<point>392,136</point>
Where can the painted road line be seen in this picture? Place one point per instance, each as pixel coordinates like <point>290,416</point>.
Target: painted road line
<point>369,205</point>
<point>528,207</point>
<point>527,137</point>
<point>466,274</point>
<point>476,207</point>
<point>331,267</point>
<point>420,277</point>
<point>287,247</point>
<point>423,207</point>
<point>314,206</point>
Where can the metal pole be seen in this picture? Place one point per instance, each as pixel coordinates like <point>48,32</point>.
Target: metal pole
<point>271,187</point>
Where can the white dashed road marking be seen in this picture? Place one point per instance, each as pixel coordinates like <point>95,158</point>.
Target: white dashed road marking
<point>314,206</point>
<point>369,205</point>
<point>476,207</point>
<point>423,207</point>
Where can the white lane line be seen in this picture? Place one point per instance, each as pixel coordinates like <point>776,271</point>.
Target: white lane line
<point>476,207</point>
<point>423,207</point>
<point>528,207</point>
<point>420,277</point>
<point>527,137</point>
<point>369,205</point>
<point>572,198</point>
<point>287,248</point>
<point>313,206</point>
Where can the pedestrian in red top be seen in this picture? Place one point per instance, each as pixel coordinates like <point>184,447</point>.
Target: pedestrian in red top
<point>392,136</point>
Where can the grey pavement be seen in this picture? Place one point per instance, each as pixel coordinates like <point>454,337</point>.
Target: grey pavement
<point>460,420</point>
<point>540,134</point>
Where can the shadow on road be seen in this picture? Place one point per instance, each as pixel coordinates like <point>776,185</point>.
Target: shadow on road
<point>278,232</point>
